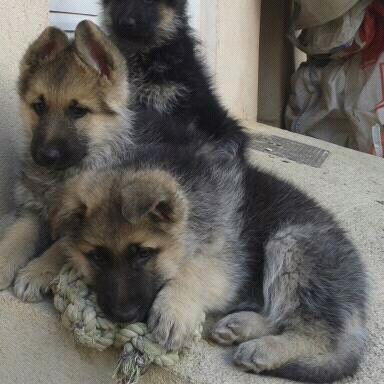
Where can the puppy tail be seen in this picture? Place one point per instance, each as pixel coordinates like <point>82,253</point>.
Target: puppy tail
<point>329,367</point>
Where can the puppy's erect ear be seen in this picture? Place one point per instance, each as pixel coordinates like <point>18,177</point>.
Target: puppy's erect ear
<point>97,51</point>
<point>45,48</point>
<point>153,197</point>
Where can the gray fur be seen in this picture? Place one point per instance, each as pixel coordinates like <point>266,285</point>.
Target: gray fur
<point>253,241</point>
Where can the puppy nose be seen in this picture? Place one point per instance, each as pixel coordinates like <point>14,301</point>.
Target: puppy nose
<point>49,155</point>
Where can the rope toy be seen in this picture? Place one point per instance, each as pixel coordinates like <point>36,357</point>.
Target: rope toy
<point>80,314</point>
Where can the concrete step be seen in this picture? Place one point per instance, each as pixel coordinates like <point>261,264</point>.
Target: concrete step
<point>35,349</point>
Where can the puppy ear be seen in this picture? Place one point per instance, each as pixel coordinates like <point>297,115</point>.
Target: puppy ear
<point>66,214</point>
<point>45,48</point>
<point>159,202</point>
<point>97,51</point>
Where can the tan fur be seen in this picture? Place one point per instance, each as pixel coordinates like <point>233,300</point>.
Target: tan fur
<point>17,247</point>
<point>179,307</point>
<point>90,71</point>
<point>168,22</point>
<point>85,191</point>
<point>163,97</point>
<point>71,75</point>
<point>33,281</point>
<point>182,302</point>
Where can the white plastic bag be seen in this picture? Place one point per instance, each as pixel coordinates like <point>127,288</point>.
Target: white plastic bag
<point>335,37</point>
<point>343,101</point>
<point>311,13</point>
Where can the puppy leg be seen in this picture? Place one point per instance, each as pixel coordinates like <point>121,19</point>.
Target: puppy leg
<point>17,247</point>
<point>241,326</point>
<point>180,305</point>
<point>174,317</point>
<point>286,272</point>
<point>271,352</point>
<point>33,281</point>
<point>309,348</point>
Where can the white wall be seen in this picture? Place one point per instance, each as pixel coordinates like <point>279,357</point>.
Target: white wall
<point>21,22</point>
<point>194,13</point>
<point>67,14</point>
<point>230,31</point>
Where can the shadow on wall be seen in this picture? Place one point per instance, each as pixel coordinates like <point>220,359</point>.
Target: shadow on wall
<point>277,64</point>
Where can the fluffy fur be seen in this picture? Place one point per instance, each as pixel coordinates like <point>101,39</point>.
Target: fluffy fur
<point>74,97</point>
<point>166,71</point>
<point>73,100</point>
<point>178,232</point>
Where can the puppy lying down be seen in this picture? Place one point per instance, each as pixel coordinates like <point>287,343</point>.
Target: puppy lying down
<point>175,232</point>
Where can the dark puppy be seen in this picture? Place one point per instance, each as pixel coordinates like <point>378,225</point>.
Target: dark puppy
<point>165,69</point>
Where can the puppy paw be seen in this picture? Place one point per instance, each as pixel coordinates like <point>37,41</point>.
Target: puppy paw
<point>238,327</point>
<point>172,324</point>
<point>260,355</point>
<point>32,283</point>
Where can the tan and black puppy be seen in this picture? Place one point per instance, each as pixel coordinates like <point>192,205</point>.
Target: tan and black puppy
<point>147,240</point>
<point>73,98</point>
<point>124,231</point>
<point>176,233</point>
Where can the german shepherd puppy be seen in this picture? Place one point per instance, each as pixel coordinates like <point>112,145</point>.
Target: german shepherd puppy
<point>73,99</point>
<point>175,233</point>
<point>166,72</point>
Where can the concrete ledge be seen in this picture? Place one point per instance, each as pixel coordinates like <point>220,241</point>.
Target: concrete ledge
<point>34,347</point>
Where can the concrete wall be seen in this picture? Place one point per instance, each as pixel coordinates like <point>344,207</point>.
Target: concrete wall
<point>230,31</point>
<point>20,22</point>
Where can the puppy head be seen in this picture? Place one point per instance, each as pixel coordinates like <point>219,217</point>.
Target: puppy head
<point>144,23</point>
<point>125,233</point>
<point>73,95</point>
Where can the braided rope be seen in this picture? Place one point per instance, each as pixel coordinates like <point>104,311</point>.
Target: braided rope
<point>80,314</point>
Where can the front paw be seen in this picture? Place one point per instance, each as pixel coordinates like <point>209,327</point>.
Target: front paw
<point>173,324</point>
<point>33,282</point>
<point>260,355</point>
<point>240,326</point>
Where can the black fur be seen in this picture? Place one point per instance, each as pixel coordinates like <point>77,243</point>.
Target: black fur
<point>174,60</point>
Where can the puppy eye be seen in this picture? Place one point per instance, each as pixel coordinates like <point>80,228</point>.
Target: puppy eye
<point>39,107</point>
<point>142,253</point>
<point>147,253</point>
<point>98,256</point>
<point>77,112</point>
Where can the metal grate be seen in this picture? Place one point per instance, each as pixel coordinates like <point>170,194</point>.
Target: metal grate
<point>291,150</point>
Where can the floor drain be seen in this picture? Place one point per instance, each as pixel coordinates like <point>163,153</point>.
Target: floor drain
<point>291,150</point>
